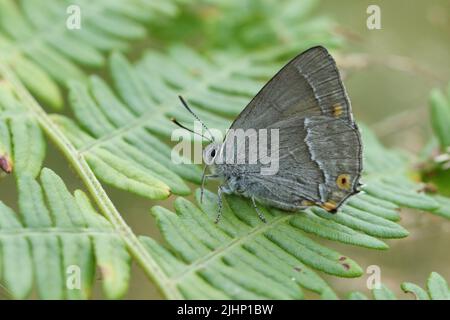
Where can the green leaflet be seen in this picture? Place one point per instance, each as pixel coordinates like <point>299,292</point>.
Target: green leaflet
<point>417,291</point>
<point>6,163</point>
<point>435,156</point>
<point>444,208</point>
<point>111,256</point>
<point>437,289</point>
<point>329,229</point>
<point>55,234</point>
<point>357,296</point>
<point>21,142</point>
<point>440,117</point>
<point>36,43</point>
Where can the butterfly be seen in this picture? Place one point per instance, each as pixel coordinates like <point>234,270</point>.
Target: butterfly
<point>319,146</point>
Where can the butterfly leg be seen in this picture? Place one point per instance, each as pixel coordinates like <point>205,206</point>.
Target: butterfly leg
<point>219,204</point>
<point>202,188</point>
<point>260,214</point>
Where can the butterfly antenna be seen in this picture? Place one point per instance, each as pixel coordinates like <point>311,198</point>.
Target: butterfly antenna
<point>196,117</point>
<point>186,128</point>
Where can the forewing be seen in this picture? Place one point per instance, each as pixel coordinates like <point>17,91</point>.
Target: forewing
<point>309,85</point>
<point>319,147</point>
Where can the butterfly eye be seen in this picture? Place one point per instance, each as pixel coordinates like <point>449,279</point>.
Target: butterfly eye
<point>213,153</point>
<point>240,188</point>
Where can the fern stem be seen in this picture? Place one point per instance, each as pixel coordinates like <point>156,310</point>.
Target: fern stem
<point>136,248</point>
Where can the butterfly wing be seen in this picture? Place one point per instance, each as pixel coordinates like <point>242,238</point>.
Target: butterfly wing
<point>309,85</point>
<point>320,152</point>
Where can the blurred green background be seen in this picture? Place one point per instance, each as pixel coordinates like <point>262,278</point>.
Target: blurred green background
<point>407,58</point>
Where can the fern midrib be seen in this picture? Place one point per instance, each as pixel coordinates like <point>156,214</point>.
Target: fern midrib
<point>220,251</point>
<point>136,248</point>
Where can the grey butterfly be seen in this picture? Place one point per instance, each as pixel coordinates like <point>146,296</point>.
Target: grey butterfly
<point>319,144</point>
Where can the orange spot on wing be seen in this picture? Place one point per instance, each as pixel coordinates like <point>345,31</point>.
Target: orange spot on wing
<point>337,110</point>
<point>329,205</point>
<point>343,181</point>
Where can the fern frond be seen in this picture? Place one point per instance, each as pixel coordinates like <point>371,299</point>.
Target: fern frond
<point>44,52</point>
<point>60,202</point>
<point>55,231</point>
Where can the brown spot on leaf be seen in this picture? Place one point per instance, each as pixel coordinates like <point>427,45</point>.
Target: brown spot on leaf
<point>6,164</point>
<point>105,272</point>
<point>346,266</point>
<point>297,269</point>
<point>342,258</point>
